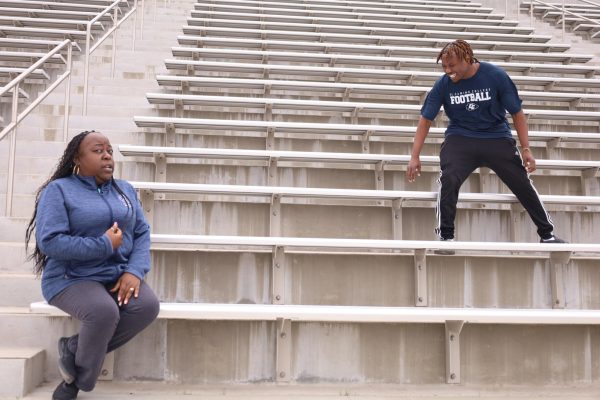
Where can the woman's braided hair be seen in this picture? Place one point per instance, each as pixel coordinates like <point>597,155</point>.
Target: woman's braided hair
<point>64,168</point>
<point>459,48</point>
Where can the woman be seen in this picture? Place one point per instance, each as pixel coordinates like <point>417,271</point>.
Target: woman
<point>93,251</point>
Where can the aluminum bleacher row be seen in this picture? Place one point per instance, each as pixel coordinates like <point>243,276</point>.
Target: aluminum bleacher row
<point>283,9</point>
<point>399,40</point>
<point>278,188</point>
<point>342,73</point>
<point>381,49</point>
<point>346,91</point>
<point>426,25</point>
<point>366,30</point>
<point>346,164</point>
<point>406,57</point>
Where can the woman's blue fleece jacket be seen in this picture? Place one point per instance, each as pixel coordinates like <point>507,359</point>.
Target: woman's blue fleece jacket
<point>72,218</point>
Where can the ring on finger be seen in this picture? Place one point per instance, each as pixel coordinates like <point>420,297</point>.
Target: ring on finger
<point>131,289</point>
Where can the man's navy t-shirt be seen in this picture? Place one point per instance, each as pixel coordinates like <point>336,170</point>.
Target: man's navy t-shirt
<point>475,106</point>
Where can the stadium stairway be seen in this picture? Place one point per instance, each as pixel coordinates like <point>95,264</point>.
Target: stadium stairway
<point>372,311</point>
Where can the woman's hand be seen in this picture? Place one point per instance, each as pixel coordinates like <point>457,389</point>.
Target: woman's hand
<point>115,235</point>
<point>127,285</point>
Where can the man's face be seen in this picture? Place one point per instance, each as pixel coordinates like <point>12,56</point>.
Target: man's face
<point>455,68</point>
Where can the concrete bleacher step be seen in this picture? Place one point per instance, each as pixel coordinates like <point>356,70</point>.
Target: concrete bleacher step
<point>19,290</point>
<point>164,391</point>
<point>21,370</point>
<point>267,391</point>
<point>14,258</point>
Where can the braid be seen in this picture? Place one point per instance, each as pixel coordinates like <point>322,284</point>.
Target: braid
<point>63,169</point>
<point>124,197</point>
<point>461,49</point>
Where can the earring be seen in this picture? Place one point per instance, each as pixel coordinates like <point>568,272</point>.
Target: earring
<point>76,169</point>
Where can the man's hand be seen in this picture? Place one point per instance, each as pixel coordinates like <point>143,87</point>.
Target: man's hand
<point>528,161</point>
<point>127,285</point>
<point>414,169</point>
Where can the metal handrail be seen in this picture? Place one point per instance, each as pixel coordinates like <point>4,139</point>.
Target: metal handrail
<point>591,2</point>
<point>564,11</point>
<point>18,117</point>
<point>90,49</point>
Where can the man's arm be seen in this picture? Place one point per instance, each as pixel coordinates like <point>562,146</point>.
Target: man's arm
<point>520,122</point>
<point>414,165</point>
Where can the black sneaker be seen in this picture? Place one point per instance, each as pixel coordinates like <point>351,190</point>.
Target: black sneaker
<point>552,239</point>
<point>65,391</point>
<point>445,252</point>
<point>66,361</point>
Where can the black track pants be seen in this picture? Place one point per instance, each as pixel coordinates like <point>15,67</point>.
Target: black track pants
<point>461,155</point>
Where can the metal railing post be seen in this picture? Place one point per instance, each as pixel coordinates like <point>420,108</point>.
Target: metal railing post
<point>68,93</point>
<point>134,26</point>
<point>114,42</point>
<point>12,152</point>
<point>142,17</point>
<point>86,67</point>
<point>531,13</point>
<point>563,21</point>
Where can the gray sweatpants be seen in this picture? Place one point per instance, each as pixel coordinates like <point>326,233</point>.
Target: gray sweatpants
<point>104,325</point>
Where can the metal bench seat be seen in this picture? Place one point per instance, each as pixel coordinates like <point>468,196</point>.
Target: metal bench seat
<point>475,20</point>
<point>369,74</point>
<point>381,49</point>
<point>368,39</point>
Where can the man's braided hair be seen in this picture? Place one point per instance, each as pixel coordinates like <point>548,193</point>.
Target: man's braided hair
<point>459,48</point>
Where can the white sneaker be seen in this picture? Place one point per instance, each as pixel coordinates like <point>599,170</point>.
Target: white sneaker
<point>445,252</point>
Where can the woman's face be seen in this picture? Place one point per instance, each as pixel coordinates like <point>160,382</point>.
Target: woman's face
<point>95,157</point>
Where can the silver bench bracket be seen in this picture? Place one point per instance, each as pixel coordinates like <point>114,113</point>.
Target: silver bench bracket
<point>366,142</point>
<point>147,199</point>
<point>278,266</point>
<point>185,87</point>
<point>453,329</point>
<point>484,180</point>
<point>574,104</point>
<point>347,93</point>
<point>160,167</point>
<point>420,278</point>
<point>397,219</point>
<point>558,262</point>
<point>354,115</point>
<point>551,148</point>
<point>108,367</point>
<point>589,183</point>
<point>275,215</point>
<point>169,135</point>
<point>178,103</point>
<point>515,218</point>
<point>379,175</point>
<point>284,350</point>
<point>272,172</point>
<point>270,140</point>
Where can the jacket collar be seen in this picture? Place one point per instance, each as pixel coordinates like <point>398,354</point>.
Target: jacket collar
<point>89,182</point>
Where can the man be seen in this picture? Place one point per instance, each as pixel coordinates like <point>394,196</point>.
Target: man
<point>476,96</point>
